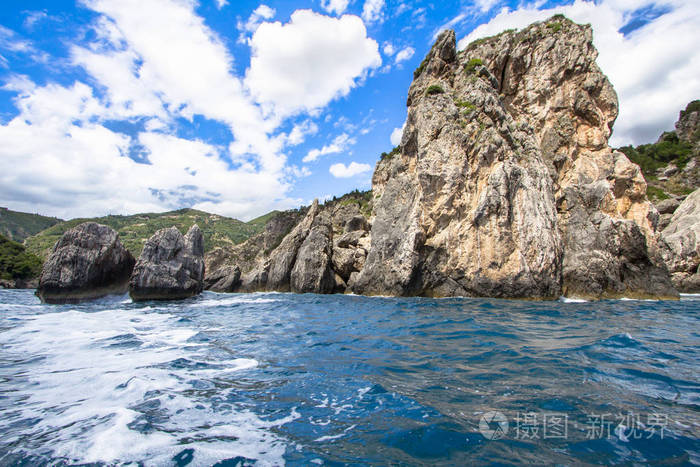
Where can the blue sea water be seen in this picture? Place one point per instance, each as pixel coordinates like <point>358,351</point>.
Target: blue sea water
<point>272,379</point>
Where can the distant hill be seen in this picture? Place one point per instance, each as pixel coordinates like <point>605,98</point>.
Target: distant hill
<point>136,229</point>
<point>17,226</point>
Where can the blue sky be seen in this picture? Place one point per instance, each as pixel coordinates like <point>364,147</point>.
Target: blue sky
<point>239,107</point>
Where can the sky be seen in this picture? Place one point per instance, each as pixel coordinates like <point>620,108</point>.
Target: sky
<point>237,107</point>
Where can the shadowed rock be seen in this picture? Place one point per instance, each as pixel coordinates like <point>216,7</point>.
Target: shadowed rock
<point>681,244</point>
<point>89,261</point>
<point>171,266</point>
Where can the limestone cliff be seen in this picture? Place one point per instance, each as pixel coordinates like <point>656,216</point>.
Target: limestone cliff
<point>466,208</point>
<point>548,78</point>
<point>503,185</point>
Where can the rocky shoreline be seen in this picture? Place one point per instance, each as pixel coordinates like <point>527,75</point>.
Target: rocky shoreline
<point>504,185</point>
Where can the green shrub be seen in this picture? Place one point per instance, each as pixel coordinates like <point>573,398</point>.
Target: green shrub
<point>657,194</point>
<point>693,106</point>
<point>651,157</point>
<point>554,27</point>
<point>15,262</point>
<point>420,68</point>
<point>471,65</point>
<point>468,106</point>
<point>434,89</point>
<point>390,154</point>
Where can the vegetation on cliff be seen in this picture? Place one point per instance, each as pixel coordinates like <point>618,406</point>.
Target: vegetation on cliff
<point>670,164</point>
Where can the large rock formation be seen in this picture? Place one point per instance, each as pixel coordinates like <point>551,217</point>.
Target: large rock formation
<point>170,266</point>
<point>504,185</point>
<point>548,78</point>
<point>466,208</point>
<point>88,262</point>
<point>681,244</point>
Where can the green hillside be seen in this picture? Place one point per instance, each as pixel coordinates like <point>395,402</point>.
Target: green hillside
<point>136,229</point>
<point>19,225</point>
<point>15,262</point>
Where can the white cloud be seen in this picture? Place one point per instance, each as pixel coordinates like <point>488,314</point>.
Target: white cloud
<point>11,42</point>
<point>654,69</point>
<point>397,134</point>
<point>59,157</point>
<point>404,54</point>
<point>339,144</point>
<point>306,63</point>
<point>260,14</point>
<point>335,6</point>
<point>221,3</point>
<point>33,17</point>
<point>300,131</point>
<point>485,5</point>
<point>340,170</point>
<point>373,11</point>
<point>388,49</point>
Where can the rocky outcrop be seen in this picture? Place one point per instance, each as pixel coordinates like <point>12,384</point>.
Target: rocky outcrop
<point>313,250</point>
<point>466,208</point>
<point>171,266</point>
<point>89,261</point>
<point>688,124</point>
<point>503,185</point>
<point>681,245</point>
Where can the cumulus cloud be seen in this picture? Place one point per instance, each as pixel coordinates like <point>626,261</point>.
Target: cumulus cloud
<point>654,68</point>
<point>373,11</point>
<point>59,155</point>
<point>221,3</point>
<point>335,6</point>
<point>404,54</point>
<point>260,14</point>
<point>339,144</point>
<point>306,63</point>
<point>397,134</point>
<point>340,170</point>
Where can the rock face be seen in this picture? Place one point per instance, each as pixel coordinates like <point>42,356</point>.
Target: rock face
<point>503,185</point>
<point>171,266</point>
<point>314,250</point>
<point>688,124</point>
<point>549,79</point>
<point>681,245</point>
<point>466,208</point>
<point>88,262</point>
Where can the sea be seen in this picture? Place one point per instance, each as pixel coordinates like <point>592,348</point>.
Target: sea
<point>271,379</point>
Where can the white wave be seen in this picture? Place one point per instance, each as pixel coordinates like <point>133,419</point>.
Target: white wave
<point>571,300</point>
<point>97,372</point>
<point>690,296</point>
